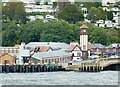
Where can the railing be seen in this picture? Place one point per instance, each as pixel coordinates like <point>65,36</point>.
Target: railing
<point>103,62</point>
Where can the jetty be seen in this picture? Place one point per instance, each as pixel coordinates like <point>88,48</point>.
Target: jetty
<point>83,66</point>
<point>96,65</point>
<point>28,68</point>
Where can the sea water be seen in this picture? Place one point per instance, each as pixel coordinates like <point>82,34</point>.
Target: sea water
<point>60,78</point>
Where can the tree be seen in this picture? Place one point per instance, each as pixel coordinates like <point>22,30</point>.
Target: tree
<point>71,13</point>
<point>109,15</point>
<point>94,14</point>
<point>31,31</point>
<point>103,13</point>
<point>9,35</point>
<point>55,31</point>
<point>14,11</point>
<point>62,3</point>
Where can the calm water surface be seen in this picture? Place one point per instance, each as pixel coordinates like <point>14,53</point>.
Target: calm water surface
<point>60,78</point>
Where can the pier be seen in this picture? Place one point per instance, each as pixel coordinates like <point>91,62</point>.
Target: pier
<point>28,68</point>
<point>95,65</point>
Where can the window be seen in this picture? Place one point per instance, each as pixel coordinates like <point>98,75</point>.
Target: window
<point>78,54</point>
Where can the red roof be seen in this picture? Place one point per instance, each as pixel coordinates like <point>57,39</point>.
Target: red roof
<point>44,48</point>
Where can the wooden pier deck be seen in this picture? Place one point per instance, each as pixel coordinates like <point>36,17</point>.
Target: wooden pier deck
<point>28,68</point>
<point>94,65</point>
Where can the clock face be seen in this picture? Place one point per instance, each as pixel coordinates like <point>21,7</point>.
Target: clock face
<point>84,30</point>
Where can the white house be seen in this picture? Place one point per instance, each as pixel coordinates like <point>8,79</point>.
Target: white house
<point>108,23</point>
<point>85,11</point>
<point>76,52</point>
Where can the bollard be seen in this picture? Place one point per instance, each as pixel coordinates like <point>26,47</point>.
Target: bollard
<point>20,69</point>
<point>39,68</point>
<point>7,68</point>
<point>29,68</point>
<point>35,68</point>
<point>42,68</point>
<point>0,68</point>
<point>32,68</point>
<point>55,68</point>
<point>88,68</point>
<point>14,68</point>
<point>11,68</point>
<point>45,68</point>
<point>3,68</point>
<point>26,68</point>
<point>92,69</point>
<point>50,68</point>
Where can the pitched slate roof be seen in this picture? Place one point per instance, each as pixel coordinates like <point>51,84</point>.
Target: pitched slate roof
<point>51,54</point>
<point>72,47</point>
<point>53,45</point>
<point>97,46</point>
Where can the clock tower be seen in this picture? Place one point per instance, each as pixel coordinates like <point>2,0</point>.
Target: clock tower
<point>84,41</point>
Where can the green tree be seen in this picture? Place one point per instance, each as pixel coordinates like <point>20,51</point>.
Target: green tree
<point>62,3</point>
<point>55,31</point>
<point>109,15</point>
<point>71,13</point>
<point>31,31</point>
<point>14,11</point>
<point>103,13</point>
<point>94,14</point>
<point>9,34</point>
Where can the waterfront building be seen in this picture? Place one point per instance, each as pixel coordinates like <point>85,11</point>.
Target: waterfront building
<point>76,52</point>
<point>7,59</point>
<point>19,52</point>
<point>59,57</point>
<point>99,49</point>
